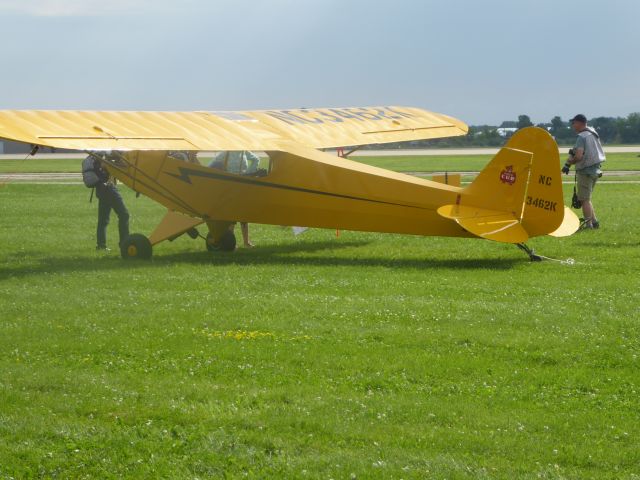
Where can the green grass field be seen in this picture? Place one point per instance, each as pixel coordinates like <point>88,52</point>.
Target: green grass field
<point>363,356</point>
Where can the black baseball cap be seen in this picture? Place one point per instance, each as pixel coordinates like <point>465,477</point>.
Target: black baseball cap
<point>579,118</point>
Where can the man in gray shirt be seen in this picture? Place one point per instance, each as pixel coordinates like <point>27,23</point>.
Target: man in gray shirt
<point>587,156</point>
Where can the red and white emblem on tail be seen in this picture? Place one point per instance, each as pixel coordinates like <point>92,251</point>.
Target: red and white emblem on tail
<point>508,175</point>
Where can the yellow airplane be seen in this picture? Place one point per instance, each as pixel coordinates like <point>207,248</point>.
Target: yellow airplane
<point>517,196</point>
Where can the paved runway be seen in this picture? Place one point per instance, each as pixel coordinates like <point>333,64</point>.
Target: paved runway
<point>474,151</point>
<point>75,178</point>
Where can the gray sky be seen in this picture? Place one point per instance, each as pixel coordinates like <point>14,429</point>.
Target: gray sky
<point>481,61</point>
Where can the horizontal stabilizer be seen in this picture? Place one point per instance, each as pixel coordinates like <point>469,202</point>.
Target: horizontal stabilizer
<point>569,226</point>
<point>488,224</point>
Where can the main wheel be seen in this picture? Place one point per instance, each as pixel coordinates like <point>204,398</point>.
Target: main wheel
<point>136,246</point>
<point>226,243</point>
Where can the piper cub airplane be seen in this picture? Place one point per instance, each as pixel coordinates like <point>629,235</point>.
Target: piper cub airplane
<point>517,196</point>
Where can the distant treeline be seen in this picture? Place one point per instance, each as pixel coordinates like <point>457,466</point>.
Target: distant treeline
<point>611,130</point>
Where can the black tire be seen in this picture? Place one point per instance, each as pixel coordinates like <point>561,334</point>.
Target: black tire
<point>136,246</point>
<point>227,242</point>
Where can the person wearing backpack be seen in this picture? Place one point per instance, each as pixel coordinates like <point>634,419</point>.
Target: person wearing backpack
<point>109,198</point>
<point>587,157</point>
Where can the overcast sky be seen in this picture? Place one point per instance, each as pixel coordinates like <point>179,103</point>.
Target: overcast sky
<point>480,61</point>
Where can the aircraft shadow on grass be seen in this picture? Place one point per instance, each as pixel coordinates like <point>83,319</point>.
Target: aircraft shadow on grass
<point>294,254</point>
<point>298,255</point>
<point>290,254</point>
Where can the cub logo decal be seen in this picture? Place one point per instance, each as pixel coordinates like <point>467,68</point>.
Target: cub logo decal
<point>508,175</point>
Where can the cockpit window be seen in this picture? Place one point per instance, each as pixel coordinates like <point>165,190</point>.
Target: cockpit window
<point>241,162</point>
<point>185,156</point>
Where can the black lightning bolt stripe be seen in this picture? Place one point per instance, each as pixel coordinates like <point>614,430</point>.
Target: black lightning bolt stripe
<point>175,198</point>
<point>187,173</point>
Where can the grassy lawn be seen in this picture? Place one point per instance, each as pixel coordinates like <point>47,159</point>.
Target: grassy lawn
<point>39,165</point>
<point>363,356</point>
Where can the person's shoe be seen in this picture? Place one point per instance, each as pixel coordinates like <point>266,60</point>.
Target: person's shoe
<point>595,224</point>
<point>585,226</point>
<point>102,248</point>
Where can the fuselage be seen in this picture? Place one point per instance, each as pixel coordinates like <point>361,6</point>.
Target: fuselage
<point>314,190</point>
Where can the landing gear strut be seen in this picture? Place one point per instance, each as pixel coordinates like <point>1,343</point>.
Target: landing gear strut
<point>529,251</point>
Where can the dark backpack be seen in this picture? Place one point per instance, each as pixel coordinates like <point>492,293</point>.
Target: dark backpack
<point>90,175</point>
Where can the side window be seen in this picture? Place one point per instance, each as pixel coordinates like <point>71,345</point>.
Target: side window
<point>185,156</point>
<point>241,162</point>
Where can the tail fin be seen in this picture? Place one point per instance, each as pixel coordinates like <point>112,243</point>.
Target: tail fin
<point>519,193</point>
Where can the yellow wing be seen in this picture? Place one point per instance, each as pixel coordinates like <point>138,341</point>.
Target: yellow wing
<point>205,131</point>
